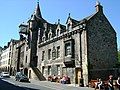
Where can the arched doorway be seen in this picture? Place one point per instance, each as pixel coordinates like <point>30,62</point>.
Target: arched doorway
<point>26,71</point>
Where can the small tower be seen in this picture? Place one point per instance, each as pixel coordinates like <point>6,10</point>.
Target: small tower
<point>98,6</point>
<point>33,35</point>
<point>35,17</point>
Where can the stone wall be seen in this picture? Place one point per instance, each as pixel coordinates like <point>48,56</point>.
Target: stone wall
<point>102,46</point>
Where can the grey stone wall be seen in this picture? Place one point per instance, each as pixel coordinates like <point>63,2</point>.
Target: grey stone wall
<point>102,46</point>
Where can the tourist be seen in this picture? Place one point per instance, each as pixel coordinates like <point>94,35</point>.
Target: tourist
<point>110,83</point>
<point>118,82</point>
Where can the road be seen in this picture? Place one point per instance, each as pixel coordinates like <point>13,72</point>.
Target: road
<point>11,84</point>
<point>8,86</point>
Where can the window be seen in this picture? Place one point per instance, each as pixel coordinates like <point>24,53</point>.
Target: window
<point>26,60</point>
<point>67,49</point>
<point>26,48</point>
<point>53,53</point>
<point>8,61</point>
<point>43,38</point>
<point>69,27</point>
<point>49,70</point>
<point>58,51</point>
<point>43,70</point>
<point>50,35</point>
<point>58,69</point>
<point>10,48</point>
<point>43,55</point>
<point>10,54</point>
<point>58,32</point>
<point>49,53</point>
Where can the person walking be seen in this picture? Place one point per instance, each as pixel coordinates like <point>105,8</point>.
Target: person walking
<point>110,83</point>
<point>99,85</point>
<point>118,82</point>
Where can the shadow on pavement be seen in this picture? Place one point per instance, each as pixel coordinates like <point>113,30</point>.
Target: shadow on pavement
<point>8,86</point>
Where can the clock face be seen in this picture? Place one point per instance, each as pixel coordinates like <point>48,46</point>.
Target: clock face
<point>23,29</point>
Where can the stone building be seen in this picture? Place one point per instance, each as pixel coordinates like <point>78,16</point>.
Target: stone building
<point>0,52</point>
<point>11,55</point>
<point>7,58</point>
<point>80,49</point>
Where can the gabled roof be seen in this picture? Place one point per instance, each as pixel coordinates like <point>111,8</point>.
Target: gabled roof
<point>85,19</point>
<point>74,22</point>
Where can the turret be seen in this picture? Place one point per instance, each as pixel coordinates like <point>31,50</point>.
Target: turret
<point>35,17</point>
<point>32,22</point>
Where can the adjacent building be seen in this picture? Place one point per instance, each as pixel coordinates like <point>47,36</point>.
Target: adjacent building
<point>7,58</point>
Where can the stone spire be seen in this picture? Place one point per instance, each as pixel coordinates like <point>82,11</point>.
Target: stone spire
<point>37,11</point>
<point>98,6</point>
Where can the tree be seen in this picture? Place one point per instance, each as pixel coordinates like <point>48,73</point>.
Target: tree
<point>117,65</point>
<point>118,55</point>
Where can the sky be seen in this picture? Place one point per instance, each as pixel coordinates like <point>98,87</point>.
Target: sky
<point>15,12</point>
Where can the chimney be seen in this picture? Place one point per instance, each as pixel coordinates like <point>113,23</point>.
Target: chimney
<point>99,8</point>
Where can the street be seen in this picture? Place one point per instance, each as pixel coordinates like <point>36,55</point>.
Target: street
<point>8,86</point>
<point>11,84</point>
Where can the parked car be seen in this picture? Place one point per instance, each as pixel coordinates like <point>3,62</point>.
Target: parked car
<point>21,77</point>
<point>5,74</point>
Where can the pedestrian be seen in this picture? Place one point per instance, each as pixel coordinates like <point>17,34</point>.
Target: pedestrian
<point>63,80</point>
<point>96,84</point>
<point>110,83</point>
<point>118,82</point>
<point>99,85</point>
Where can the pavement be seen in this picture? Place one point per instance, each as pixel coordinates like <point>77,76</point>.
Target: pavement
<point>50,85</point>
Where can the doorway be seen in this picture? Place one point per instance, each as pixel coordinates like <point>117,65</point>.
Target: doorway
<point>77,75</point>
<point>26,71</point>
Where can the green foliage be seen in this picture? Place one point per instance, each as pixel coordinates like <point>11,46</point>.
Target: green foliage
<point>119,56</point>
<point>118,62</point>
<point>117,65</point>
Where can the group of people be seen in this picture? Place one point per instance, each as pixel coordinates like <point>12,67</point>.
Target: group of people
<point>100,84</point>
<point>65,80</point>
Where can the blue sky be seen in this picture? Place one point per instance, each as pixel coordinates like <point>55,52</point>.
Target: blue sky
<point>14,12</point>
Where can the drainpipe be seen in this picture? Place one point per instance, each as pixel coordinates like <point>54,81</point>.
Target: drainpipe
<point>81,28</point>
<point>81,79</point>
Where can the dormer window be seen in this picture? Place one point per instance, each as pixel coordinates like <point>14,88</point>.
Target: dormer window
<point>50,33</point>
<point>58,32</point>
<point>44,36</point>
<point>50,36</point>
<point>69,27</point>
